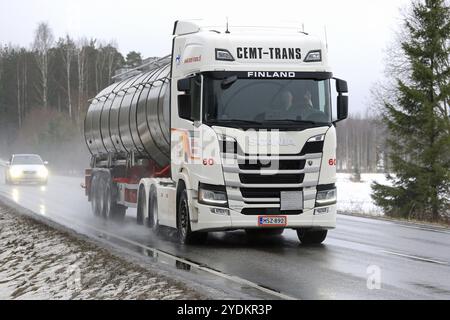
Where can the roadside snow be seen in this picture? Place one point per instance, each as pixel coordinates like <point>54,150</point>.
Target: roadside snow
<point>354,197</point>
<point>37,262</point>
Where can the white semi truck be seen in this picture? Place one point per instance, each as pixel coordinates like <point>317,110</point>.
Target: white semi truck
<point>233,130</point>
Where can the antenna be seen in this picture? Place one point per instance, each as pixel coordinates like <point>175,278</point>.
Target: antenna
<point>326,36</point>
<point>303,27</point>
<point>227,31</point>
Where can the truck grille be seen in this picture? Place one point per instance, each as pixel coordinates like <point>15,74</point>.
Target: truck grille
<point>278,164</point>
<point>271,179</point>
<point>268,211</point>
<point>264,193</point>
<point>260,178</point>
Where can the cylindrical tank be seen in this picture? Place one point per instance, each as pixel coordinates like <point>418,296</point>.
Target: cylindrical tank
<point>132,116</point>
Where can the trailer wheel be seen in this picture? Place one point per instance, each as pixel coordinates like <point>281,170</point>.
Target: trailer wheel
<point>185,234</point>
<point>311,236</point>
<point>153,211</point>
<point>140,217</point>
<point>95,196</point>
<point>112,210</point>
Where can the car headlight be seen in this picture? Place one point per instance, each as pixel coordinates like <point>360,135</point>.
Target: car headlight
<point>212,195</point>
<point>42,172</point>
<point>326,197</point>
<point>15,172</point>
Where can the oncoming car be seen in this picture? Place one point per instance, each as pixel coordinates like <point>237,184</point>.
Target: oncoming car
<point>26,168</point>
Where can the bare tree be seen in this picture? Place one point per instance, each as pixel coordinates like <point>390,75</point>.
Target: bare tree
<point>43,41</point>
<point>82,65</point>
<point>69,51</point>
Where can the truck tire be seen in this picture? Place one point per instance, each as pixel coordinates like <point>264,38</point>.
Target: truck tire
<point>95,201</point>
<point>141,205</point>
<point>111,210</point>
<point>311,236</point>
<point>264,232</point>
<point>185,234</point>
<point>153,222</point>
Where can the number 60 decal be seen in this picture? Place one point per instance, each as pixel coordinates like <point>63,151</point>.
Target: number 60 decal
<point>208,162</point>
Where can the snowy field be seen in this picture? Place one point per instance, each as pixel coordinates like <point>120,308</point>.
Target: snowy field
<point>354,197</point>
<point>38,262</point>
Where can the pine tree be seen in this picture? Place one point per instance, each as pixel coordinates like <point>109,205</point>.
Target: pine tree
<point>418,120</point>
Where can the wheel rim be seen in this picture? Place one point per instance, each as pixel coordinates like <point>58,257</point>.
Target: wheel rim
<point>183,218</point>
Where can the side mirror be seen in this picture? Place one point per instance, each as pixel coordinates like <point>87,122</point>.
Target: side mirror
<point>184,85</point>
<point>184,106</point>
<point>342,107</point>
<point>45,162</point>
<point>341,86</point>
<point>342,101</point>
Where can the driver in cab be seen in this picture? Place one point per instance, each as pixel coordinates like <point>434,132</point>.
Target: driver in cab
<point>286,109</point>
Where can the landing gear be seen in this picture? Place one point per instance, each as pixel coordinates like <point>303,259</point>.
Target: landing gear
<point>311,236</point>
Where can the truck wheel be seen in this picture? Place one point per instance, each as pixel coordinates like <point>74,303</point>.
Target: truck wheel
<point>310,236</point>
<point>264,232</point>
<point>112,210</point>
<point>141,206</point>
<point>95,196</point>
<point>153,212</point>
<point>185,234</point>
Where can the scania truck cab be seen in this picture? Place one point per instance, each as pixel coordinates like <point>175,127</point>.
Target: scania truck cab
<point>238,132</point>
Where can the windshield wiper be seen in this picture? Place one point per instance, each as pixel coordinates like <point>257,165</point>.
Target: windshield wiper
<point>235,120</point>
<point>295,121</point>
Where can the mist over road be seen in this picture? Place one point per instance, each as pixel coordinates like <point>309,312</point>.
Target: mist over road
<point>361,259</point>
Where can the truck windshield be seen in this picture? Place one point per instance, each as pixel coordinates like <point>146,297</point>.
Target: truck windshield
<point>266,102</point>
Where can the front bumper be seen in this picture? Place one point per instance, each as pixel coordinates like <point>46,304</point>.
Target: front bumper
<point>208,221</point>
<point>28,179</point>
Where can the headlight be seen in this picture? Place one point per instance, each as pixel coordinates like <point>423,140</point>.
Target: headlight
<point>15,172</point>
<point>326,197</point>
<point>42,172</point>
<point>212,195</point>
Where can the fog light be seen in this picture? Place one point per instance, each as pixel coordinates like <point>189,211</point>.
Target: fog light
<point>221,212</point>
<point>321,211</point>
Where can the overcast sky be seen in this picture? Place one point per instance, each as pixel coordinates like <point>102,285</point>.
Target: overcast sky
<point>358,30</point>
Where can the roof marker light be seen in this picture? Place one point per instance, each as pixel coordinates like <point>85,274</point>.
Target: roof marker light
<point>314,56</point>
<point>223,55</point>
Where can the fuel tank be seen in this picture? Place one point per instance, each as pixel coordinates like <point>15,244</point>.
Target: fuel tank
<point>132,115</point>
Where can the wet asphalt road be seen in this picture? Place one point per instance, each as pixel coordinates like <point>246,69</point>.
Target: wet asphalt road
<point>411,261</point>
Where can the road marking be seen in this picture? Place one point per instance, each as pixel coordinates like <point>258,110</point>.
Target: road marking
<point>220,274</point>
<point>415,257</point>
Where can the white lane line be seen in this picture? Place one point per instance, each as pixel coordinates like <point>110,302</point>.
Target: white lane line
<point>415,257</point>
<point>162,253</point>
<point>400,223</point>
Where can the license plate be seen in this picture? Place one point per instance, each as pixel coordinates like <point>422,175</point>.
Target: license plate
<point>272,221</point>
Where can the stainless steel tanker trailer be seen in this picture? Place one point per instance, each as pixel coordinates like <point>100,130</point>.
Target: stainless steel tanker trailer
<point>234,130</point>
